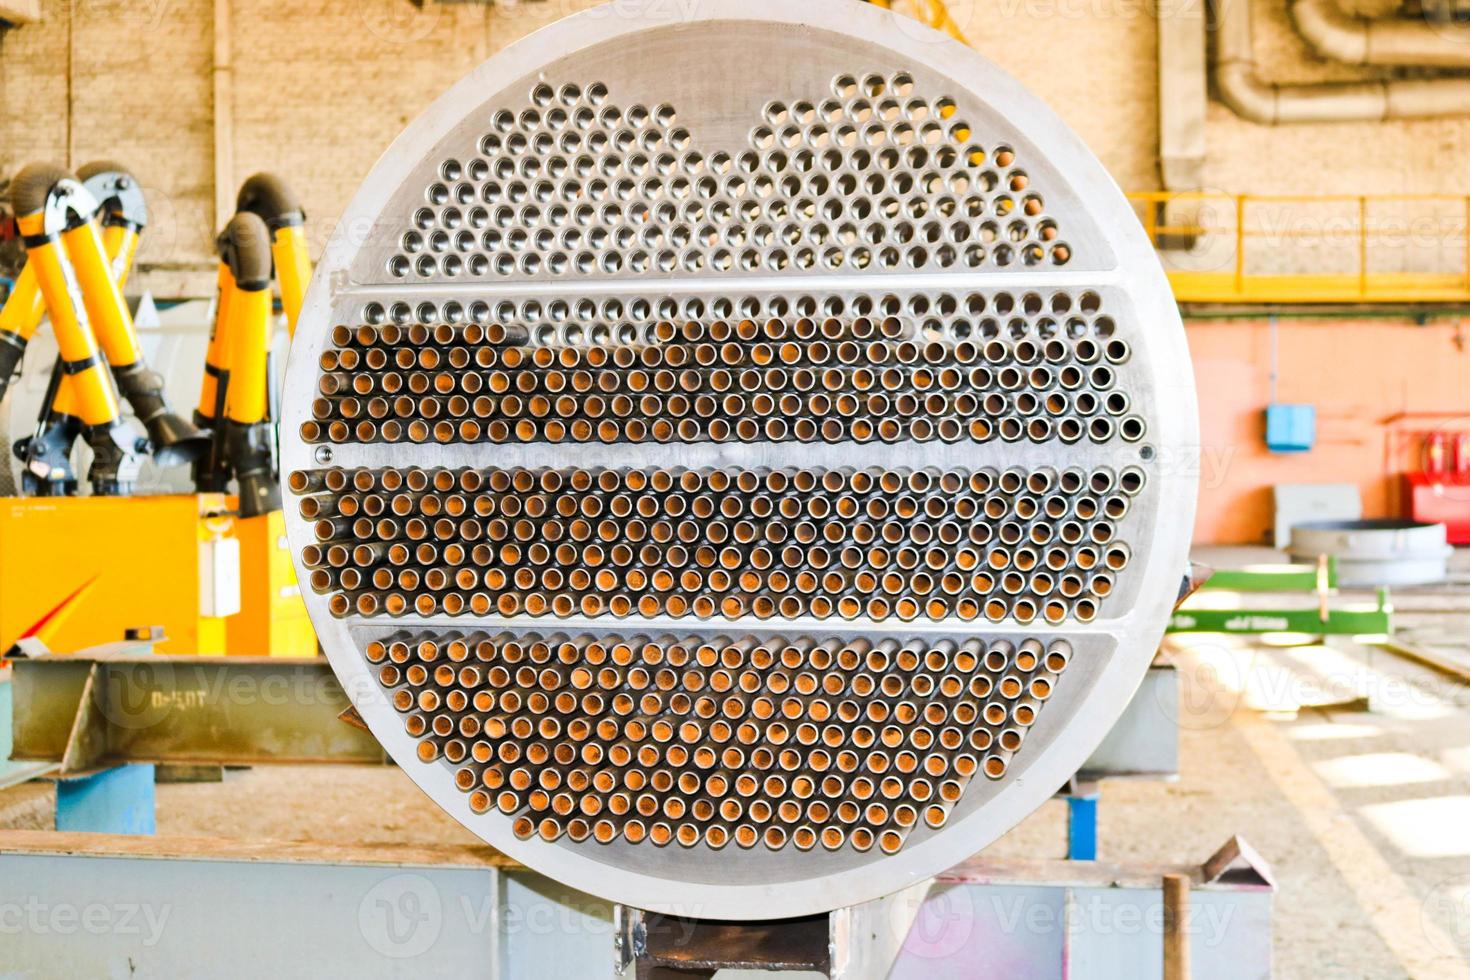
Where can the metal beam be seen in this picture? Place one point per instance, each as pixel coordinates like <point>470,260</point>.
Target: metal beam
<point>93,710</point>
<point>1144,744</point>
<point>15,773</point>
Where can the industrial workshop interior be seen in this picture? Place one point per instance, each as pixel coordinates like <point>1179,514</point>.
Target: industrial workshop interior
<point>553,490</point>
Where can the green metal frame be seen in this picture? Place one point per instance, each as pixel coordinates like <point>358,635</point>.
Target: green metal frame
<point>1276,578</point>
<point>1324,620</point>
<point>1375,621</point>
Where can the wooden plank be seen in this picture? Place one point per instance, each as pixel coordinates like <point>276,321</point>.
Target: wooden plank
<point>41,842</point>
<point>1176,932</point>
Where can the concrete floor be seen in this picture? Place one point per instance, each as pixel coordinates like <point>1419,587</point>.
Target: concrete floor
<point>1363,815</point>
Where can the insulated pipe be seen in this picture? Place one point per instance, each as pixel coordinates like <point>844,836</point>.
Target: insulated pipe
<point>1352,40</point>
<point>268,196</point>
<point>1269,104</point>
<point>216,356</point>
<point>1183,95</point>
<point>106,308</point>
<point>24,309</point>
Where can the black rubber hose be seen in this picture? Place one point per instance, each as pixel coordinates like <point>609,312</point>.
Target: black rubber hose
<point>10,355</point>
<point>30,188</point>
<point>89,170</point>
<point>248,448</point>
<point>245,246</point>
<point>268,196</point>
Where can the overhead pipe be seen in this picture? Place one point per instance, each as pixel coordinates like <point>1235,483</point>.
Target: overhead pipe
<point>1183,95</point>
<point>1270,104</point>
<point>1353,40</point>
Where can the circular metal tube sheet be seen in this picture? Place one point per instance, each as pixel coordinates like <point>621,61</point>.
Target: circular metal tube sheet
<point>739,456</point>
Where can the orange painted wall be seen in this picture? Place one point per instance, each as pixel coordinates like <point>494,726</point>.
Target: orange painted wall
<point>1357,373</point>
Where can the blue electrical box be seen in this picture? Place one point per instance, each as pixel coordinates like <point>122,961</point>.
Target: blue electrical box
<point>1290,428</point>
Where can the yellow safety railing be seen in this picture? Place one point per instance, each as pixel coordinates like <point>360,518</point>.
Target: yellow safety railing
<point>1239,248</point>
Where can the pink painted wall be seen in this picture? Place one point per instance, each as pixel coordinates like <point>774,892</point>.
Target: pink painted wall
<point>1357,373</point>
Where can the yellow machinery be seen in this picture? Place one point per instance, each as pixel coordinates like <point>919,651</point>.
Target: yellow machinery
<point>268,197</point>
<point>169,561</point>
<point>266,234</point>
<point>48,202</point>
<point>73,273</point>
<point>272,620</point>
<point>216,582</point>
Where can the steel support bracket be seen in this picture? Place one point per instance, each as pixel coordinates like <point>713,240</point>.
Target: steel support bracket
<point>666,947</point>
<point>113,706</point>
<point>846,944</point>
<point>86,742</point>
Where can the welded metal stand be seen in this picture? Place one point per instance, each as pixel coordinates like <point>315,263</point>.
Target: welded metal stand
<point>847,944</point>
<point>669,948</point>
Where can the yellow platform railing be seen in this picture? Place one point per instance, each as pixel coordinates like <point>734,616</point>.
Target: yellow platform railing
<point>1238,248</point>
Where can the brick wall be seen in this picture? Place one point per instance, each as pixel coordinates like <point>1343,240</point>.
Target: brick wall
<point>319,90</point>
<point>322,86</point>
